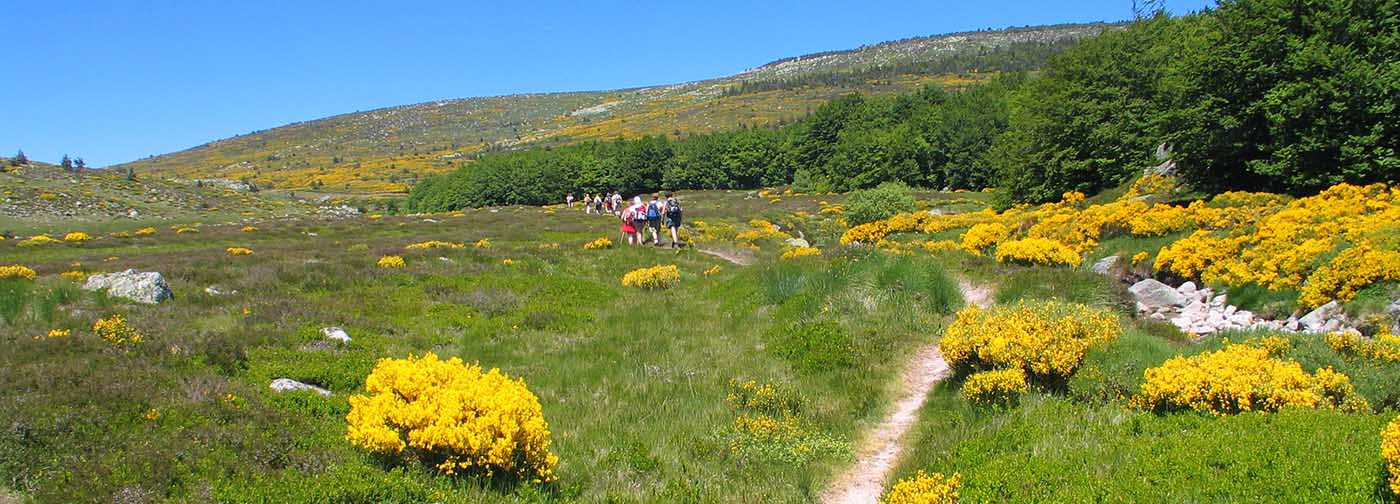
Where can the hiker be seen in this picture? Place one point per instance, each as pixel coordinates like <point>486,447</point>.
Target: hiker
<point>569,200</point>
<point>653,214</point>
<point>673,219</point>
<point>598,203</point>
<point>617,202</point>
<point>629,230</point>
<point>639,216</point>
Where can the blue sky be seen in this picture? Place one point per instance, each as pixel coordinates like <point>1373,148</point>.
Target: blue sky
<point>117,81</point>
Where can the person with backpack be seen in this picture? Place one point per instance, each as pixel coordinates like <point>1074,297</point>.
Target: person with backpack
<point>629,228</point>
<point>598,203</point>
<point>639,216</point>
<point>673,219</point>
<point>653,215</point>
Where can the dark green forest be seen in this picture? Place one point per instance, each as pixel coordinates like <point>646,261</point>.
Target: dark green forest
<point>1274,95</point>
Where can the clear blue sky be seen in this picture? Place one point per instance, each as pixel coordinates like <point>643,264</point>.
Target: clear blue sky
<point>116,81</point>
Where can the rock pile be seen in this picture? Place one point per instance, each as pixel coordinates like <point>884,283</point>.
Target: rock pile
<point>1200,311</point>
<point>290,385</point>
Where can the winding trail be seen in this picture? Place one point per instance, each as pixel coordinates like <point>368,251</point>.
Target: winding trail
<point>728,256</point>
<point>866,478</point>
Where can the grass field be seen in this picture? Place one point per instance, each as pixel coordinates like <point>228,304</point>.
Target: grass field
<point>632,382</point>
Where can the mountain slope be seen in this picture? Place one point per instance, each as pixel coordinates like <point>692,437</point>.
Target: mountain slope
<point>387,149</point>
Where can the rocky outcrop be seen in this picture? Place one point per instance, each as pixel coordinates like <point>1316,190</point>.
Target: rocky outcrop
<point>147,287</point>
<point>1201,312</point>
<point>1152,295</point>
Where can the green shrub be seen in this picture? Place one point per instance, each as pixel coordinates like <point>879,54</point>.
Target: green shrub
<point>14,294</point>
<point>815,346</point>
<point>882,202</point>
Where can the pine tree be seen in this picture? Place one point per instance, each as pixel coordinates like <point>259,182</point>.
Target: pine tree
<point>20,159</point>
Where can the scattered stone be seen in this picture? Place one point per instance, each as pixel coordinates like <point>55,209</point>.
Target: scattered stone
<point>147,287</point>
<point>214,290</point>
<point>1187,288</point>
<point>1317,319</point>
<point>798,242</point>
<point>335,333</point>
<point>446,260</point>
<point>1156,294</point>
<point>1107,265</point>
<point>290,385</point>
<point>431,221</point>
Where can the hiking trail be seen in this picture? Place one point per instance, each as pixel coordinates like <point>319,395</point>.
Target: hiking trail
<point>728,256</point>
<point>866,478</point>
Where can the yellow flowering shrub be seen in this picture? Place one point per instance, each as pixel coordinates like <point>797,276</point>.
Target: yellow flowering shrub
<point>981,236</point>
<point>59,333</point>
<point>998,387</point>
<point>508,261</point>
<point>936,246</point>
<point>1383,347</point>
<point>1240,378</point>
<point>249,229</point>
<point>36,240</point>
<point>1046,339</point>
<point>115,330</point>
<point>454,417</point>
<point>655,277</point>
<point>239,251</point>
<point>145,231</point>
<point>391,262</point>
<point>1139,257</point>
<point>799,252</point>
<point>1390,453</point>
<point>1352,270</point>
<point>767,424</point>
<point>713,270</point>
<point>925,489</point>
<point>760,229</point>
<point>1161,220</point>
<point>1037,251</point>
<point>74,274</point>
<point>17,271</point>
<point>434,244</point>
<point>119,234</point>
<point>77,237</point>
<point>186,230</point>
<point>599,244</point>
<point>484,243</point>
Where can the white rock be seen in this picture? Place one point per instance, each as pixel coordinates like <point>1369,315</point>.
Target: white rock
<point>1218,300</point>
<point>1106,265</point>
<point>431,221</point>
<point>1187,288</point>
<point>1317,320</point>
<point>446,260</point>
<point>290,385</point>
<point>798,242</point>
<point>147,287</point>
<point>1292,325</point>
<point>335,333</point>
<point>1230,310</point>
<point>1156,294</point>
<point>1331,326</point>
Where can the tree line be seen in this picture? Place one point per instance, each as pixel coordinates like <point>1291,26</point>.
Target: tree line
<point>1272,95</point>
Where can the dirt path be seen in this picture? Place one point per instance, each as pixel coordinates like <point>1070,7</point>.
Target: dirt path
<point>866,478</point>
<point>728,256</point>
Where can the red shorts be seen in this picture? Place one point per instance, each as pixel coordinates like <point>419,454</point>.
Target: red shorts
<point>627,228</point>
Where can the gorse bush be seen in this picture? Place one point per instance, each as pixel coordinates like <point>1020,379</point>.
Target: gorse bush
<point>1244,377</point>
<point>1046,339</point>
<point>998,387</point>
<point>391,262</point>
<point>453,417</point>
<point>77,236</point>
<point>800,252</point>
<point>1383,347</point>
<point>599,244</point>
<point>655,277</point>
<point>882,202</point>
<point>1037,251</point>
<point>239,251</point>
<point>16,271</point>
<point>115,331</point>
<point>1390,453</point>
<point>434,244</point>
<point>925,489</point>
<point>768,425</point>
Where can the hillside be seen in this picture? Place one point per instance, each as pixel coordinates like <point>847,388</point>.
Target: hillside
<point>39,196</point>
<point>388,149</point>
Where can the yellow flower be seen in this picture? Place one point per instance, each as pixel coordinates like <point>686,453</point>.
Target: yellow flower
<point>37,240</point>
<point>1037,251</point>
<point>74,274</point>
<point>599,244</point>
<point>152,414</point>
<point>186,230</point>
<point>467,420</point>
<point>391,262</point>
<point>115,330</point>
<point>799,252</point>
<point>508,262</point>
<point>1242,377</point>
<point>59,333</point>
<point>1390,453</point>
<point>484,243</point>
<point>434,244</point>
<point>655,277</point>
<point>713,270</point>
<point>145,231</point>
<point>925,489</point>
<point>249,229</point>
<point>995,387</point>
<point>1139,257</point>
<point>16,271</point>
<point>77,236</point>
<point>1046,339</point>
<point>238,251</point>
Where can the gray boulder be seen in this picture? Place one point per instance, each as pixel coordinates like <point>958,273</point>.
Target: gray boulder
<point>797,242</point>
<point>1317,320</point>
<point>290,385</point>
<point>1107,265</point>
<point>147,287</point>
<point>1156,295</point>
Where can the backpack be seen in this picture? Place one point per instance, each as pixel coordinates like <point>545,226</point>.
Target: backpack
<point>673,209</point>
<point>653,212</point>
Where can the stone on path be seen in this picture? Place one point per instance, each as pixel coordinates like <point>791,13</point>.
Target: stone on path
<point>335,333</point>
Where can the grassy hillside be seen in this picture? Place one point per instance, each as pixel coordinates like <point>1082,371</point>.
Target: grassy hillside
<point>385,150</point>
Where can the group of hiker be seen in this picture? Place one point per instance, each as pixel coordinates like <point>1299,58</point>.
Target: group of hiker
<point>641,221</point>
